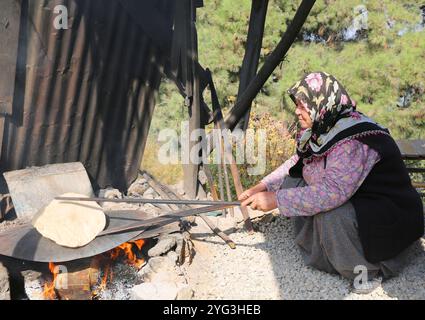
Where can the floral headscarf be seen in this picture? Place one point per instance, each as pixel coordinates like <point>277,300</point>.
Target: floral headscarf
<point>331,110</point>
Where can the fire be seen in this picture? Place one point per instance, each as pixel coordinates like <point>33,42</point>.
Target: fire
<point>125,249</point>
<point>49,292</point>
<point>107,274</point>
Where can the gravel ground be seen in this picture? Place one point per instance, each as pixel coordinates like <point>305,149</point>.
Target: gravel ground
<point>267,265</point>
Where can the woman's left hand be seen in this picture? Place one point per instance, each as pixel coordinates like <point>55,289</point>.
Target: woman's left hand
<point>264,201</point>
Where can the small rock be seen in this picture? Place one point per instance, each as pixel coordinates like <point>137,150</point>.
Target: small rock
<point>148,196</point>
<point>138,188</point>
<point>150,208</point>
<point>155,291</point>
<point>155,265</point>
<point>163,246</point>
<point>185,293</point>
<point>173,256</point>
<point>4,283</point>
<point>110,193</point>
<point>158,264</point>
<point>149,193</point>
<point>34,284</point>
<point>160,269</point>
<point>167,276</point>
<point>179,188</point>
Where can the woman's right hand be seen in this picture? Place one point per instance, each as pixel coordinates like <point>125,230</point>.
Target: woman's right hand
<point>251,191</point>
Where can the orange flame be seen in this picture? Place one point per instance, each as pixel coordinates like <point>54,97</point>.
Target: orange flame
<point>107,273</point>
<point>125,249</point>
<point>49,292</point>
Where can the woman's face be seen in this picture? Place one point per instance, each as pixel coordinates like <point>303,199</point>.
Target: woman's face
<point>303,116</point>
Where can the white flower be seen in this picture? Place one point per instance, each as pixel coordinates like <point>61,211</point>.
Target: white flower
<point>331,101</point>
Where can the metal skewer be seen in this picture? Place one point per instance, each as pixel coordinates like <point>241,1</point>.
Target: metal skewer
<point>170,217</point>
<point>159,201</point>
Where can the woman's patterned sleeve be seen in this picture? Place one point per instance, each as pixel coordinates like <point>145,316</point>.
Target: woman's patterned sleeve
<point>347,167</point>
<point>274,180</point>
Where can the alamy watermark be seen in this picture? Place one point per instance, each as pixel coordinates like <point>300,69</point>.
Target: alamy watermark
<point>195,147</point>
<point>60,282</point>
<point>362,277</point>
<point>61,20</point>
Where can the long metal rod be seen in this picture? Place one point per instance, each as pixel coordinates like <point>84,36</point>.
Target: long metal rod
<point>167,193</point>
<point>168,218</point>
<point>159,201</point>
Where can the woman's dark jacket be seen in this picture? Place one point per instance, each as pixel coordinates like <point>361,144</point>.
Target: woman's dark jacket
<point>389,210</point>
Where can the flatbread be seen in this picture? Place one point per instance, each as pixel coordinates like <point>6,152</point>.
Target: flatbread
<point>70,223</point>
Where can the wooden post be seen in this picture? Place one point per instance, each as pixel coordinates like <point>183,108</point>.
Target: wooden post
<point>191,170</point>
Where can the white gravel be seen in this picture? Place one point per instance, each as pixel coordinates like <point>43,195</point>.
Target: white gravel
<point>267,265</point>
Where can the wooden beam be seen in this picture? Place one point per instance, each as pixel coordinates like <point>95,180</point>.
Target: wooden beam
<point>244,102</point>
<point>252,51</point>
<point>219,122</point>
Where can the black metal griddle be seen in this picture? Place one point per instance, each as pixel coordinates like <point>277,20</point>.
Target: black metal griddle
<point>26,243</point>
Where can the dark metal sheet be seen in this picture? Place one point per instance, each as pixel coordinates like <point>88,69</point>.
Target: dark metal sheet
<point>159,230</point>
<point>9,34</point>
<point>85,93</point>
<point>26,243</point>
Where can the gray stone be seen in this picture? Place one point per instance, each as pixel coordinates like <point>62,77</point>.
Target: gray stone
<point>175,235</point>
<point>150,208</point>
<point>178,188</point>
<point>149,193</point>
<point>110,193</point>
<point>185,293</point>
<point>155,265</point>
<point>173,256</point>
<point>163,246</point>
<point>34,284</point>
<point>138,188</point>
<point>167,276</point>
<point>155,291</point>
<point>161,264</point>
<point>160,269</point>
<point>4,283</point>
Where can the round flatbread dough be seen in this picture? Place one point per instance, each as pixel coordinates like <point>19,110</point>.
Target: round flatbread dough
<point>70,223</point>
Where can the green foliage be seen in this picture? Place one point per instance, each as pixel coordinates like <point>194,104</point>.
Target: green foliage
<point>374,78</point>
<point>169,109</point>
<point>375,70</point>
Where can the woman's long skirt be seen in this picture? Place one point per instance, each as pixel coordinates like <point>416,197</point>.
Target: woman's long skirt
<point>329,241</point>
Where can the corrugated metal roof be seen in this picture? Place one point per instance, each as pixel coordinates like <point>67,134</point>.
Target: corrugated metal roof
<point>86,93</point>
